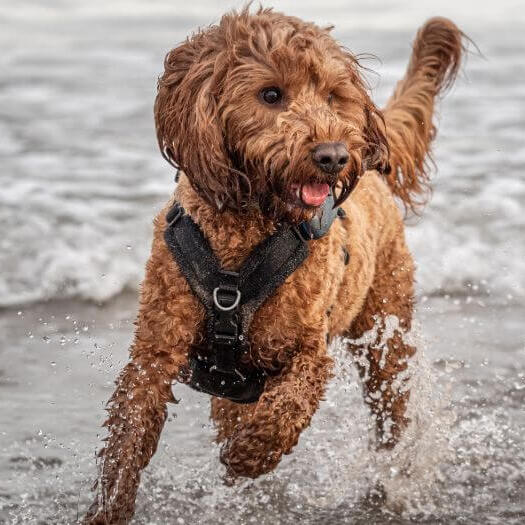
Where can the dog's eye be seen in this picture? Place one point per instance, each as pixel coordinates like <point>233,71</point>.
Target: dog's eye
<point>271,95</point>
<point>330,98</point>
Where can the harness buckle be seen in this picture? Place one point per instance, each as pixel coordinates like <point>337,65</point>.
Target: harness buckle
<point>225,342</point>
<point>226,339</point>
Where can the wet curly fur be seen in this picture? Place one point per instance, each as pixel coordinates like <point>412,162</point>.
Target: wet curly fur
<point>239,158</point>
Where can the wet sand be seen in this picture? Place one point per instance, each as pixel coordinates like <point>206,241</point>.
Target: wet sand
<point>58,362</point>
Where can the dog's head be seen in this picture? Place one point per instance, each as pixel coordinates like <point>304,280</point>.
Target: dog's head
<point>269,110</point>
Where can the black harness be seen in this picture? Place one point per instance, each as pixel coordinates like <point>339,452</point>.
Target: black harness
<point>232,298</point>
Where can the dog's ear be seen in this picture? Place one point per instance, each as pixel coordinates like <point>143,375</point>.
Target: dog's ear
<point>187,116</point>
<point>376,151</point>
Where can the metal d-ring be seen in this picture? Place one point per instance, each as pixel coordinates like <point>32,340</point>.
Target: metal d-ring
<point>225,308</point>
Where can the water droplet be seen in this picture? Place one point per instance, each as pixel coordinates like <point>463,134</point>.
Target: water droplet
<point>46,339</point>
<point>53,363</point>
<point>128,247</point>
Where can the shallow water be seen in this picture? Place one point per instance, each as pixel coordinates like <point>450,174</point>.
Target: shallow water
<point>465,451</point>
<point>81,181</point>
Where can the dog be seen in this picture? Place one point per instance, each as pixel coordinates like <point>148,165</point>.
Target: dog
<point>269,119</point>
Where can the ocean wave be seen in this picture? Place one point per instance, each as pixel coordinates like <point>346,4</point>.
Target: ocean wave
<point>82,178</point>
<point>461,246</point>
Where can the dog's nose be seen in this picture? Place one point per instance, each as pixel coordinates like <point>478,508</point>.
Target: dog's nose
<point>331,157</point>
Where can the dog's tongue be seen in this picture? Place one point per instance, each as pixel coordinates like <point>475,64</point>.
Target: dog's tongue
<point>314,194</point>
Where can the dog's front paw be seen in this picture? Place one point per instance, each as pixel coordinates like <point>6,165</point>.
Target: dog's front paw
<point>249,454</point>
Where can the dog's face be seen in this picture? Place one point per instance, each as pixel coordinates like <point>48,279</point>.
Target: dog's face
<point>267,110</point>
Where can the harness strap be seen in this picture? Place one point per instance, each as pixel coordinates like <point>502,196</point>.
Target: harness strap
<point>267,267</point>
<point>191,250</point>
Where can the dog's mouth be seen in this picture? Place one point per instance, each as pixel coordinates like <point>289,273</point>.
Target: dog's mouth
<point>310,195</point>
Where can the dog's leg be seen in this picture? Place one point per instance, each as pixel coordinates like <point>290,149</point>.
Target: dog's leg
<point>381,354</point>
<point>229,416</point>
<point>283,411</point>
<point>137,411</point>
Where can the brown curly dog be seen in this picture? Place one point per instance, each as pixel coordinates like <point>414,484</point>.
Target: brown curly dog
<point>263,113</point>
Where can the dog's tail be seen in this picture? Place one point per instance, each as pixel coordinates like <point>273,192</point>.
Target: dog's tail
<point>433,66</point>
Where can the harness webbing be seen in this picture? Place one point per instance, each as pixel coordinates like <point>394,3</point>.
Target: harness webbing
<point>232,298</point>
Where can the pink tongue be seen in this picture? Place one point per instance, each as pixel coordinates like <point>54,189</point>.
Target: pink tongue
<point>314,194</point>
